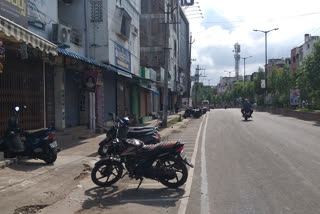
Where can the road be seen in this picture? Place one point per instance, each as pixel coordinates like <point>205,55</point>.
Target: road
<point>270,164</point>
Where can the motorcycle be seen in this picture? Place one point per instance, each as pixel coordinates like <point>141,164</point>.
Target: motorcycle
<point>163,162</point>
<point>149,135</point>
<point>37,144</point>
<point>246,114</point>
<point>188,112</point>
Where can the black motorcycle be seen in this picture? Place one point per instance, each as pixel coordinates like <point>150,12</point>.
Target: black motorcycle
<point>246,113</point>
<point>37,144</point>
<point>149,135</point>
<point>164,162</point>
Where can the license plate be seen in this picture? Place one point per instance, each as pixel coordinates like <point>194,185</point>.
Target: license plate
<point>183,155</point>
<point>53,144</point>
<point>105,149</point>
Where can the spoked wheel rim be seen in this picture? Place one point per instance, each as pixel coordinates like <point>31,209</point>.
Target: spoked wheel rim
<point>181,173</point>
<point>106,174</point>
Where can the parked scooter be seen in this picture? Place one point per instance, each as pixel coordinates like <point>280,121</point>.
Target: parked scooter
<point>149,135</point>
<point>37,144</point>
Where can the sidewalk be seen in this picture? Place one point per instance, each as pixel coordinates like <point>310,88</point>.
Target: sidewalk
<point>72,137</point>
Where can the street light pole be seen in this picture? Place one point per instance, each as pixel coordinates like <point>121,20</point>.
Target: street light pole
<point>244,67</point>
<point>266,63</point>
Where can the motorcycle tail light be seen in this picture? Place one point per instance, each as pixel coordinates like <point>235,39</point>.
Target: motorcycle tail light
<point>180,149</point>
<point>50,137</point>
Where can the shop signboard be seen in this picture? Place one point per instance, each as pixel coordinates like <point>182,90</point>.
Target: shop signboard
<point>294,97</point>
<point>187,2</point>
<point>122,57</point>
<point>15,10</point>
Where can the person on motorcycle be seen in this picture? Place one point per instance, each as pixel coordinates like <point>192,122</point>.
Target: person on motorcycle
<point>247,106</point>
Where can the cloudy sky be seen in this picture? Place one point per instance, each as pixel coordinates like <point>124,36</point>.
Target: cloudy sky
<point>228,21</point>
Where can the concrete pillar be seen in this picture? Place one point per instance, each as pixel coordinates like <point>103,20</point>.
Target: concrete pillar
<point>59,95</point>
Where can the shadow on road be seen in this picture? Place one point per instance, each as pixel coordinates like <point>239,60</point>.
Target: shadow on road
<point>317,123</point>
<point>28,165</point>
<point>247,121</point>
<point>106,198</point>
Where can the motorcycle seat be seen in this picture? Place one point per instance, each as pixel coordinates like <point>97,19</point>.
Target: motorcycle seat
<point>151,149</point>
<point>34,133</point>
<point>139,133</point>
<point>142,128</point>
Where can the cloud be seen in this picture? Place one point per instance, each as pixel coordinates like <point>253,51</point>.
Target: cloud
<point>227,22</point>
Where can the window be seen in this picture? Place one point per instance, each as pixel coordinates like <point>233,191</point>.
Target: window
<point>294,59</point>
<point>125,24</point>
<point>308,46</point>
<point>96,11</point>
<point>76,37</point>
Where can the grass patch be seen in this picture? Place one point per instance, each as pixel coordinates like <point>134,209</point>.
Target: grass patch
<point>174,121</point>
<point>304,110</point>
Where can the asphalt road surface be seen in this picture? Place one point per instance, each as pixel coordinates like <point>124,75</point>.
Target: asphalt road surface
<point>269,164</point>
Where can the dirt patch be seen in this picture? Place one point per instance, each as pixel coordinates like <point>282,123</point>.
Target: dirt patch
<point>29,209</point>
<point>85,172</point>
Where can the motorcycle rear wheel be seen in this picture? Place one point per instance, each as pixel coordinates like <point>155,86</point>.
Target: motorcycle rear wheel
<point>179,168</point>
<point>50,156</point>
<point>106,170</point>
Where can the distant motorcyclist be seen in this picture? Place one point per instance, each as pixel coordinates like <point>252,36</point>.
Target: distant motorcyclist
<point>247,107</point>
<point>225,106</point>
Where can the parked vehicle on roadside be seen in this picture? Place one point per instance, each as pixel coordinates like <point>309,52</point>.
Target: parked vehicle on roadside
<point>149,135</point>
<point>164,162</point>
<point>37,144</point>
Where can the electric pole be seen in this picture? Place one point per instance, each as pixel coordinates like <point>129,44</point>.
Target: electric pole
<point>197,78</point>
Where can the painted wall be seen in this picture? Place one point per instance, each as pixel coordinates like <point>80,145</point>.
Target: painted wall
<point>115,10</point>
<point>42,13</point>
<point>73,16</point>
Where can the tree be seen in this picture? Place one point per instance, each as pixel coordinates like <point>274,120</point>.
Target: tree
<point>308,78</point>
<point>257,82</point>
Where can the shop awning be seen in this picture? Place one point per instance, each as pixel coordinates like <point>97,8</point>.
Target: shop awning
<point>17,33</point>
<point>85,59</point>
<point>123,73</point>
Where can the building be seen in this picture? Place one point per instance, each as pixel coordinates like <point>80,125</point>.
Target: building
<point>183,79</point>
<point>152,35</point>
<point>298,54</point>
<point>277,63</point>
<point>27,61</point>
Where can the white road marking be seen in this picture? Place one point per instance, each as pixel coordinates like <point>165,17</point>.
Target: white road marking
<point>205,209</point>
<point>184,201</point>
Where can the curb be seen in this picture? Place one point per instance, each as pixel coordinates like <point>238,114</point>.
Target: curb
<point>7,162</point>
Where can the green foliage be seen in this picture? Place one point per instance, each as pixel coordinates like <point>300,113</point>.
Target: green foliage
<point>308,79</point>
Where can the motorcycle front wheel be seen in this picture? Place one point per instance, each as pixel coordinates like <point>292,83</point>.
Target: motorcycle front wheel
<point>180,170</point>
<point>105,173</point>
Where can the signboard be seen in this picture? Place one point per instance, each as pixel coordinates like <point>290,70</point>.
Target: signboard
<point>294,97</point>
<point>37,13</point>
<point>122,57</point>
<point>263,83</point>
<point>15,10</point>
<point>187,2</point>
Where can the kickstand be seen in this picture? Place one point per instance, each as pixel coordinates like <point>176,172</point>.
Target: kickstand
<point>125,174</point>
<point>141,179</point>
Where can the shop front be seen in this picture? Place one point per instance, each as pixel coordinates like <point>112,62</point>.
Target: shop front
<point>25,68</point>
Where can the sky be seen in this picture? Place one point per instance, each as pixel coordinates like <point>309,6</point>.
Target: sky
<point>227,22</point>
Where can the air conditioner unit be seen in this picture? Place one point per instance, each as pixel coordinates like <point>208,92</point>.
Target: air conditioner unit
<point>61,34</point>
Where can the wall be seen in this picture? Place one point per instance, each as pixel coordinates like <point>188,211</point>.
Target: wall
<point>308,45</point>
<point>44,13</point>
<point>73,16</point>
<point>114,25</point>
<point>152,38</point>
<point>109,85</point>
